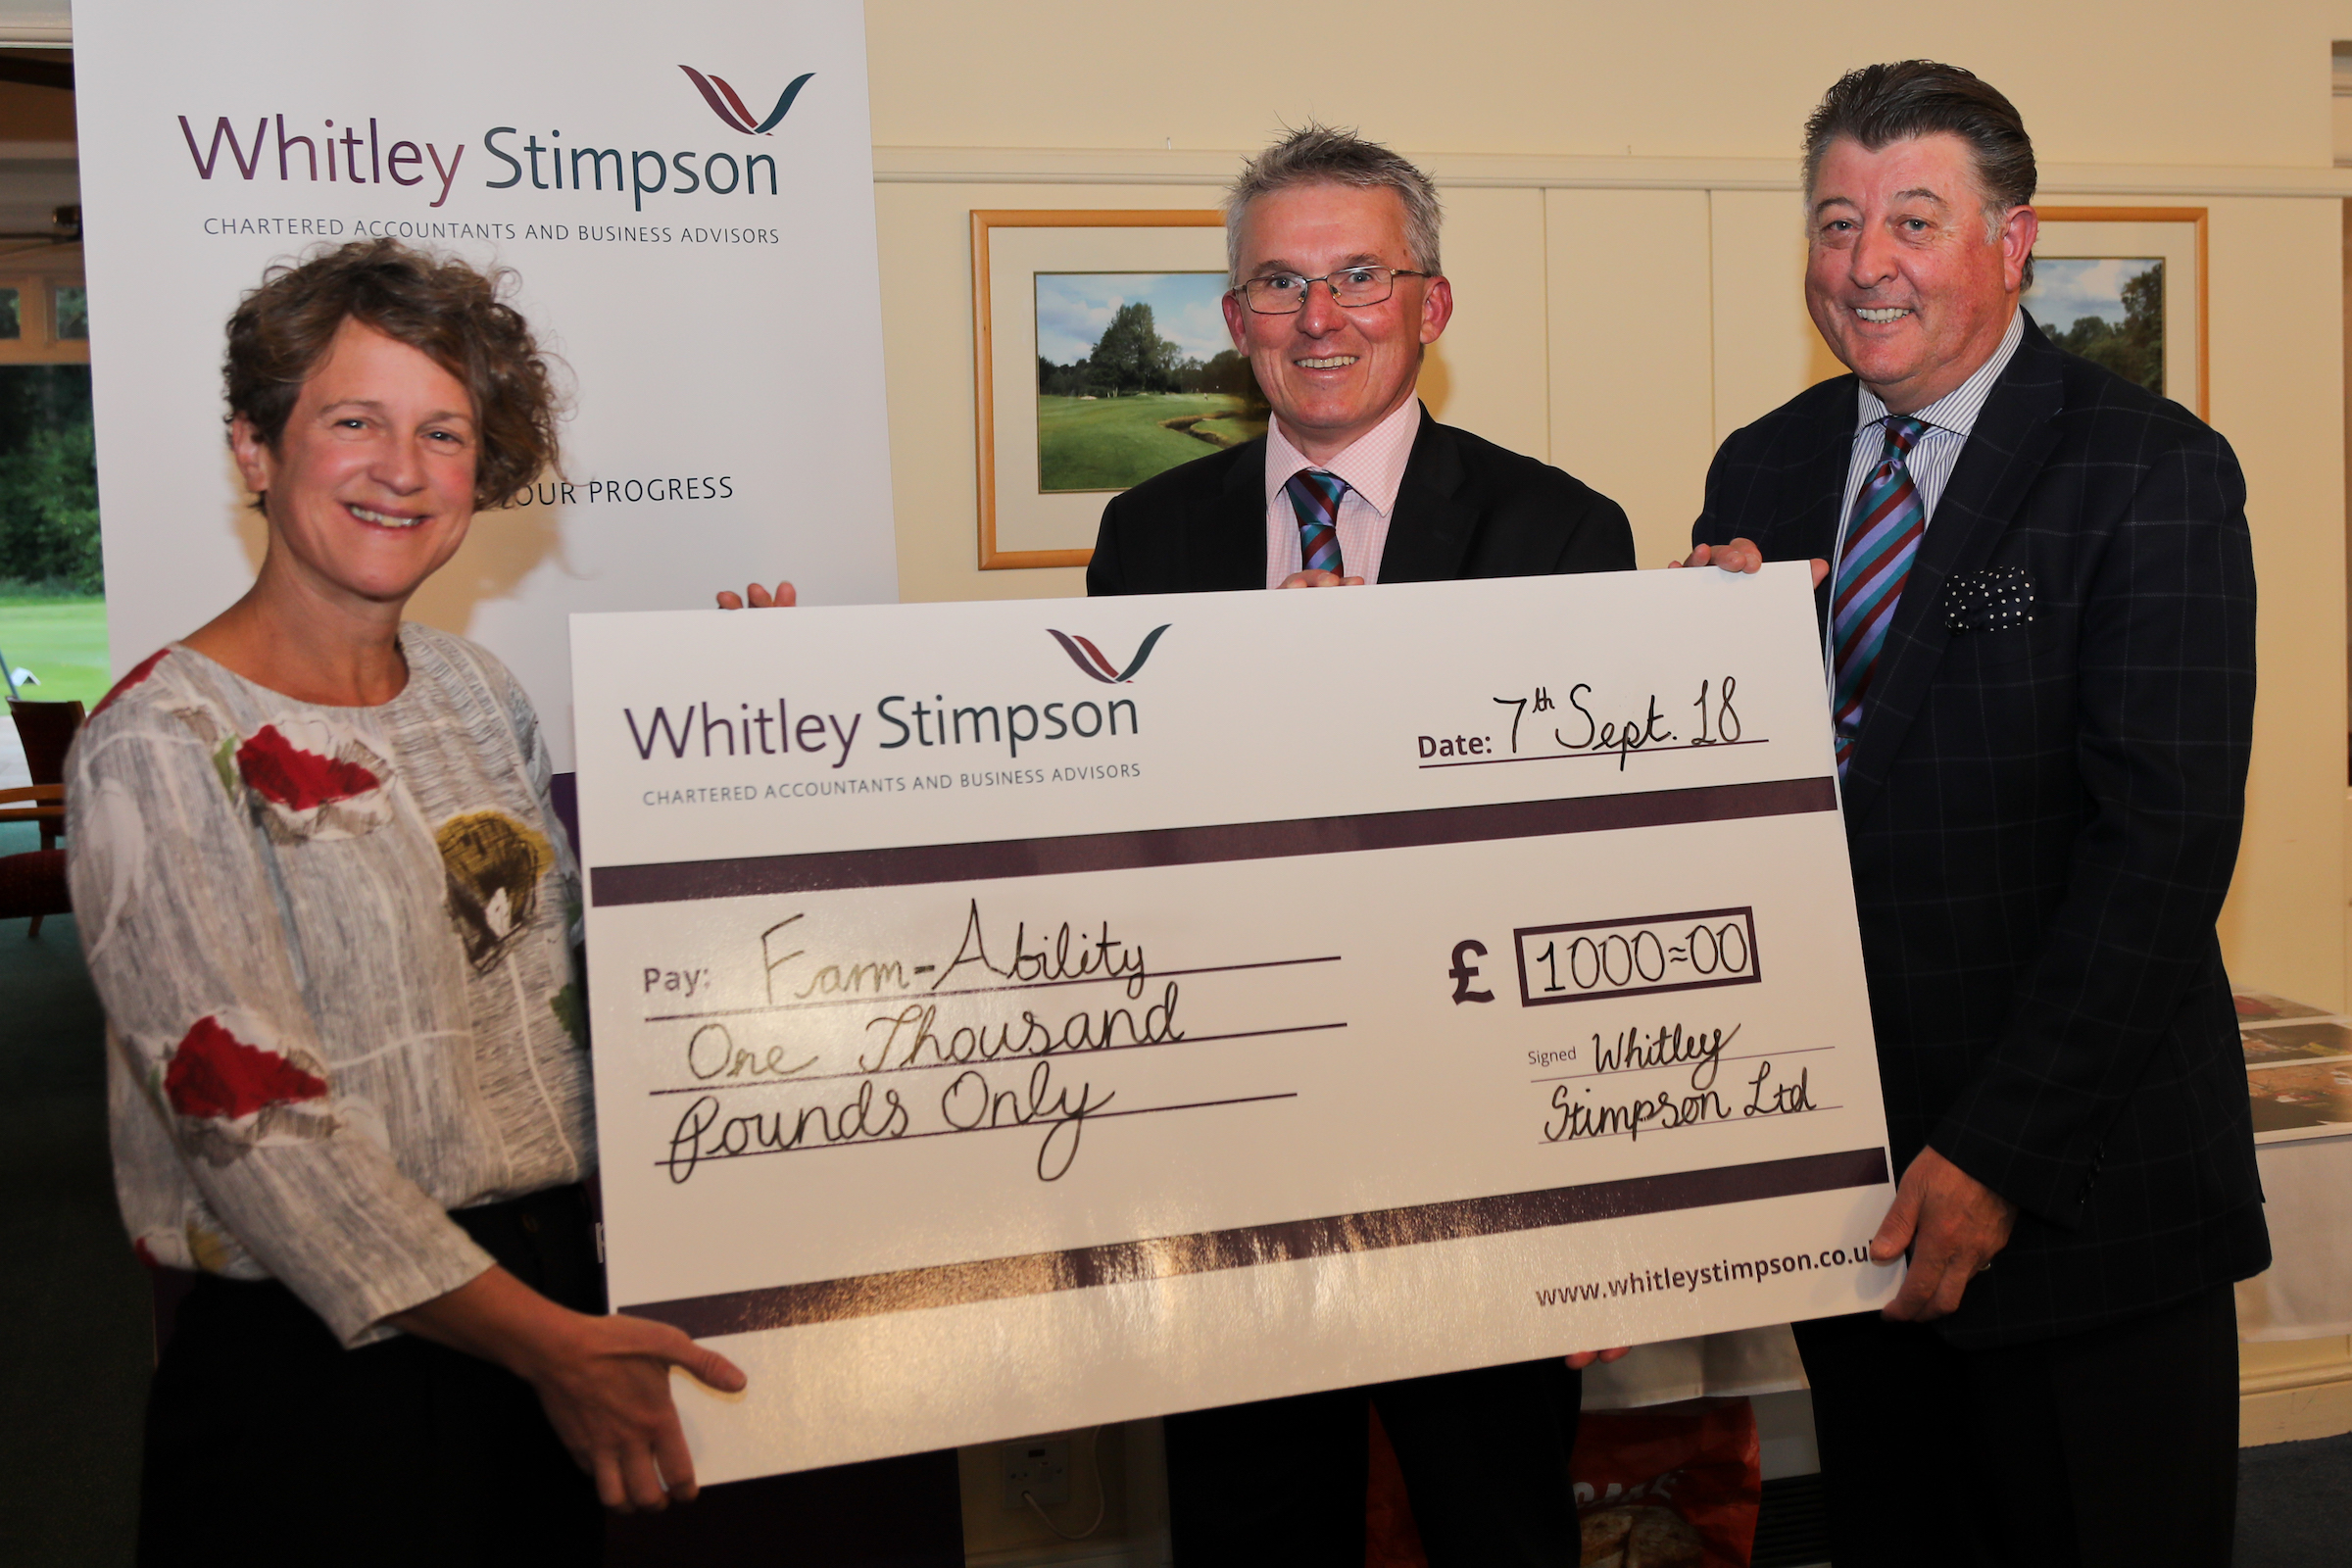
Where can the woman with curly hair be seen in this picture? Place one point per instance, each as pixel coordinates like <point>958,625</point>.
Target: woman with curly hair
<point>327,907</point>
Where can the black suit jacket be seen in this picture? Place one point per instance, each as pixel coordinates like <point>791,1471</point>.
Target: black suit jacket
<point>2042,812</point>
<point>1467,509</point>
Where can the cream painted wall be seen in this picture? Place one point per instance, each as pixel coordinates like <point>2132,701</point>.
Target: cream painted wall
<point>1766,349</point>
<point>2278,394</point>
<point>1632,354</point>
<point>2168,85</point>
<point>1489,372</point>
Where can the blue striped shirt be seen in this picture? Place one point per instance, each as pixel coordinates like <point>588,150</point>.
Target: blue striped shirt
<point>1950,418</point>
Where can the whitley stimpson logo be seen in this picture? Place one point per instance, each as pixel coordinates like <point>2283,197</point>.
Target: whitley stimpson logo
<point>371,150</point>
<point>1090,661</point>
<point>727,104</point>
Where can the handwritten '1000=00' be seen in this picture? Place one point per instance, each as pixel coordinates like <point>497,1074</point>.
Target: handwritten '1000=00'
<point>1587,960</point>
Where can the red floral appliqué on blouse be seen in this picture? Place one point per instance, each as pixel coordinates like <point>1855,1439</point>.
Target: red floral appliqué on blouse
<point>281,771</point>
<point>215,1074</point>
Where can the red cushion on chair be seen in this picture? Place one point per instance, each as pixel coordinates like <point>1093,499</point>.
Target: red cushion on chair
<point>46,730</point>
<point>33,883</point>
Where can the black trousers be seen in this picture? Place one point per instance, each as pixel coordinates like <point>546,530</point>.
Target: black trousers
<point>2112,1448</point>
<point>268,1442</point>
<point>1485,1455</point>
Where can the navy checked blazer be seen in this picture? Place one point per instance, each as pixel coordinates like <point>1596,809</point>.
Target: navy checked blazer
<point>2042,812</point>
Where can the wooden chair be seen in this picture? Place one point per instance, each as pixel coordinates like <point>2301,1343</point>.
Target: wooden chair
<point>47,730</point>
<point>33,883</point>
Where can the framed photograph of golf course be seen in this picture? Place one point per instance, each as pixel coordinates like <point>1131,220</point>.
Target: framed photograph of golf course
<point>1100,359</point>
<point>2125,287</point>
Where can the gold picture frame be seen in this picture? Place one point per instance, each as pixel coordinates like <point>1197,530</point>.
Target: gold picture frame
<point>1020,526</point>
<point>2177,235</point>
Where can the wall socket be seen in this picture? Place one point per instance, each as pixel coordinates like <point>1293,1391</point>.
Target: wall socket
<point>1040,1467</point>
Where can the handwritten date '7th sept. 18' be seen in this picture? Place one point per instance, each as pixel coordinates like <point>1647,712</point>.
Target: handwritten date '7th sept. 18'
<point>1582,723</point>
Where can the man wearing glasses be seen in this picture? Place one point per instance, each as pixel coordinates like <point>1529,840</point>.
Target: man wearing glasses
<point>1333,245</point>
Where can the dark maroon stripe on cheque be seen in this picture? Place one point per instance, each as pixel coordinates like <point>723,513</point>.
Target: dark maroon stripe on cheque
<point>915,864</point>
<point>998,1279</point>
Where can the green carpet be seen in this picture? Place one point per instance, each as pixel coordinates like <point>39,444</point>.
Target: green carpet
<point>73,1304</point>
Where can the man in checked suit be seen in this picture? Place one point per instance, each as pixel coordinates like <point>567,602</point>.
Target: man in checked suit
<point>2038,618</point>
<point>1333,245</point>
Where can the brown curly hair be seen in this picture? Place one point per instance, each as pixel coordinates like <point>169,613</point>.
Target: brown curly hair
<point>441,306</point>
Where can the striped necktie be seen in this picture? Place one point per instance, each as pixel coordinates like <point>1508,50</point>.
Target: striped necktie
<point>1883,537</point>
<point>1315,498</point>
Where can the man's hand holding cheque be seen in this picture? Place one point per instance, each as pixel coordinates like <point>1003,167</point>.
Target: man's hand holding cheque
<point>1740,555</point>
<point>757,595</point>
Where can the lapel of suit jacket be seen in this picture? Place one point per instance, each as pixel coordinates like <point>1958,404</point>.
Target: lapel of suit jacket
<point>1231,548</point>
<point>1428,529</point>
<point>1805,528</point>
<point>2012,439</point>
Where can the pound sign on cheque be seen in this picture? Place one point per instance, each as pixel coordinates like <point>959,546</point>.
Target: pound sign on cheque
<point>1464,972</point>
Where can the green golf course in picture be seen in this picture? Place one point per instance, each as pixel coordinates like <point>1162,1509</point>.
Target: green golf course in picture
<point>1135,374</point>
<point>1110,443</point>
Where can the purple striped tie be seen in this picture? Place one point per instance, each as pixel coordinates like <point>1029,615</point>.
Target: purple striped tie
<point>1315,498</point>
<point>1888,519</point>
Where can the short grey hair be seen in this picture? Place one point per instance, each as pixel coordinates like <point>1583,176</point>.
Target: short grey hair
<point>1323,155</point>
<point>1878,106</point>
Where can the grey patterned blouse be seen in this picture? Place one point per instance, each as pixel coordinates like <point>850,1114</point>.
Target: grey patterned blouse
<point>334,945</point>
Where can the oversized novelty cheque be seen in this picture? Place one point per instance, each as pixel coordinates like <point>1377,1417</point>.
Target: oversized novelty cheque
<point>1015,1016</point>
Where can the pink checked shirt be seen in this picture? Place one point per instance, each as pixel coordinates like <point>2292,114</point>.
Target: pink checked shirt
<point>1374,468</point>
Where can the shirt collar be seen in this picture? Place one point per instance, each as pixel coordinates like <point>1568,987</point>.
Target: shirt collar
<point>1373,464</point>
<point>1957,410</point>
